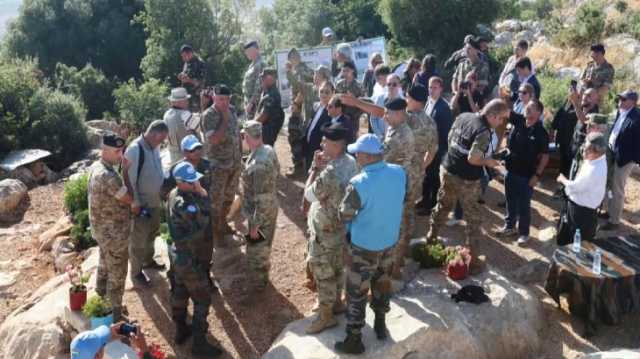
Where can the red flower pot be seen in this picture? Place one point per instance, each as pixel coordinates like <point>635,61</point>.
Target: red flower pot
<point>77,299</point>
<point>457,271</point>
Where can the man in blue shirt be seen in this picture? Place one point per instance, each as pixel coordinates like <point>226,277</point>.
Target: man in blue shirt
<point>372,209</point>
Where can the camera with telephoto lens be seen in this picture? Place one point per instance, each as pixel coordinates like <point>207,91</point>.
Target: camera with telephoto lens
<point>127,329</point>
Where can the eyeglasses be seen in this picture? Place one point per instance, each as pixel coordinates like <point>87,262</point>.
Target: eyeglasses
<point>393,84</point>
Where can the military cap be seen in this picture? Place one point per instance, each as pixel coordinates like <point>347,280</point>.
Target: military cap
<point>269,71</point>
<point>186,48</point>
<point>418,93</point>
<point>252,128</point>
<point>349,65</point>
<point>335,131</point>
<point>251,43</point>
<point>112,140</point>
<point>397,104</point>
<point>474,43</point>
<point>222,90</point>
<point>597,119</point>
<point>629,95</point>
<point>190,143</point>
<point>597,48</point>
<point>324,71</point>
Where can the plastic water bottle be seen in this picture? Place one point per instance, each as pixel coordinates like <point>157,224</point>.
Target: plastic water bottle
<point>597,262</point>
<point>577,241</point>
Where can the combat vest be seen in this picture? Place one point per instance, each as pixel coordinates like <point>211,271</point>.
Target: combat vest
<point>381,188</point>
<point>465,130</point>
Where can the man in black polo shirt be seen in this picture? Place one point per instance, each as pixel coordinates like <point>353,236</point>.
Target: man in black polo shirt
<point>528,145</point>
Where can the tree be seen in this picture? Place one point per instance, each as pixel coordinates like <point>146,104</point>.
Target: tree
<point>139,105</point>
<point>88,84</point>
<point>77,32</point>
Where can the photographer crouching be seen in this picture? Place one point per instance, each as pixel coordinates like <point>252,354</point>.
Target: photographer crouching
<point>90,344</point>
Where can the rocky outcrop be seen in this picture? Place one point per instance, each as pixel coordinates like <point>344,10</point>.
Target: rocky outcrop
<point>61,228</point>
<point>509,31</point>
<point>12,192</point>
<point>424,320</point>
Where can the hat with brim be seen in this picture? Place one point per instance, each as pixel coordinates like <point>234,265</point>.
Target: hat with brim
<point>629,95</point>
<point>327,32</point>
<point>179,94</point>
<point>87,344</point>
<point>368,143</point>
<point>185,172</point>
<point>597,119</point>
<point>190,143</point>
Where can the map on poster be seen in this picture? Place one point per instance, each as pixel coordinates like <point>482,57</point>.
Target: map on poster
<point>313,57</point>
<point>363,49</point>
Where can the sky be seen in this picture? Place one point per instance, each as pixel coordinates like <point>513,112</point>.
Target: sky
<point>8,10</point>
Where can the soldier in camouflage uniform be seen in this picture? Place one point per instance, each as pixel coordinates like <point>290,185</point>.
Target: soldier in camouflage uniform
<point>472,62</point>
<point>302,74</point>
<point>350,85</point>
<point>330,173</point>
<point>110,220</point>
<point>188,219</point>
<point>599,73</point>
<point>260,202</point>
<point>193,75</point>
<point>251,86</point>
<point>222,132</point>
<point>461,171</point>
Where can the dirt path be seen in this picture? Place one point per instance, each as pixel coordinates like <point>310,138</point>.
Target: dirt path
<point>246,326</point>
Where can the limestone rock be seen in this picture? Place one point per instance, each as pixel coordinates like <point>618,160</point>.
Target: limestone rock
<point>509,25</point>
<point>615,354</point>
<point>526,35</point>
<point>12,192</point>
<point>424,320</point>
<point>503,39</point>
<point>60,228</point>
<point>63,253</point>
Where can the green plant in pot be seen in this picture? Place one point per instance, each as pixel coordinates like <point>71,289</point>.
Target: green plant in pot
<point>78,289</point>
<point>430,255</point>
<point>99,311</point>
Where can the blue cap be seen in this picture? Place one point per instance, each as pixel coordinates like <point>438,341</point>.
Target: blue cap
<point>190,143</point>
<point>185,172</point>
<point>86,344</point>
<point>367,144</point>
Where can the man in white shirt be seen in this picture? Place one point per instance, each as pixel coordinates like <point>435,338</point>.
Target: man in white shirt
<point>393,91</point>
<point>586,192</point>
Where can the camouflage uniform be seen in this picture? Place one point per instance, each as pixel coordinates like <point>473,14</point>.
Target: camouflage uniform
<point>260,206</point>
<point>251,85</point>
<point>327,232</point>
<point>399,149</point>
<point>196,69</point>
<point>595,76</point>
<point>366,271</point>
<point>226,164</point>
<point>480,67</point>
<point>353,113</point>
<point>188,219</point>
<point>298,76</point>
<point>110,226</point>
<point>425,133</point>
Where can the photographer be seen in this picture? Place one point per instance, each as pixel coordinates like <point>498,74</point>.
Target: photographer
<point>468,98</point>
<point>90,344</point>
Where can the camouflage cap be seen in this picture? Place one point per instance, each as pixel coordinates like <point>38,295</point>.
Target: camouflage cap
<point>252,128</point>
<point>597,119</point>
<point>269,71</point>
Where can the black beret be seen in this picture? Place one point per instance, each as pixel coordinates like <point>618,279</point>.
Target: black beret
<point>251,43</point>
<point>186,48</point>
<point>112,140</point>
<point>418,93</point>
<point>350,65</point>
<point>222,89</point>
<point>335,131</point>
<point>398,104</point>
<point>597,48</point>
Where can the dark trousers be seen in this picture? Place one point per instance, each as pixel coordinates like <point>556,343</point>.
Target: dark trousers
<point>583,218</point>
<point>270,130</point>
<point>565,160</point>
<point>518,195</point>
<point>431,183</point>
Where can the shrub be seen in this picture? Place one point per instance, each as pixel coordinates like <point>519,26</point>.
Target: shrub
<point>81,232</point>
<point>554,91</point>
<point>96,307</point>
<point>140,105</point>
<point>90,85</point>
<point>621,6</point>
<point>588,27</point>
<point>430,255</point>
<point>76,195</point>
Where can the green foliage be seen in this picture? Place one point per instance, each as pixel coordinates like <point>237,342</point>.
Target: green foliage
<point>430,255</point>
<point>164,233</point>
<point>588,27</point>
<point>554,90</point>
<point>501,54</point>
<point>79,32</point>
<point>80,231</point>
<point>628,24</point>
<point>88,84</point>
<point>621,6</point>
<point>96,307</point>
<point>439,26</point>
<point>140,105</point>
<point>76,195</point>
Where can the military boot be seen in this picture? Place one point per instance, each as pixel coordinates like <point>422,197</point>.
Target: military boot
<point>324,320</point>
<point>339,306</point>
<point>352,344</point>
<point>201,347</point>
<point>183,332</point>
<point>380,327</point>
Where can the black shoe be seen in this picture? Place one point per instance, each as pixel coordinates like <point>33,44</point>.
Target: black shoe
<point>183,332</point>
<point>603,215</point>
<point>380,327</point>
<point>352,344</point>
<point>142,279</point>
<point>202,347</point>
<point>502,204</point>
<point>609,227</point>
<point>154,265</point>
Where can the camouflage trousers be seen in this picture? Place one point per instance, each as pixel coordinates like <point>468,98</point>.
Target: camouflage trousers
<point>296,138</point>
<point>452,189</point>
<point>141,240</point>
<point>258,253</point>
<point>408,223</point>
<point>112,264</point>
<point>224,185</point>
<point>326,262</point>
<point>191,282</point>
<point>367,270</point>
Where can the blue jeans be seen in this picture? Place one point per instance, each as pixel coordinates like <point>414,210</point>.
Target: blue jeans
<point>518,195</point>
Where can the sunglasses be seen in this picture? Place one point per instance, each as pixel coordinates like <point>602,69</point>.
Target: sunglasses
<point>194,150</point>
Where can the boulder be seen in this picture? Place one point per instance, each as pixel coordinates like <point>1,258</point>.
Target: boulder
<point>63,253</point>
<point>503,39</point>
<point>104,125</point>
<point>526,35</point>
<point>12,192</point>
<point>424,320</point>
<point>615,354</point>
<point>570,72</point>
<point>509,25</point>
<point>60,228</point>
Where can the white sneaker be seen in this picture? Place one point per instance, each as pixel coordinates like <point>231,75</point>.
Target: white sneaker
<point>454,222</point>
<point>522,240</point>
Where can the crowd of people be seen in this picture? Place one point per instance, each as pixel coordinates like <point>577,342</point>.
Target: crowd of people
<point>421,155</point>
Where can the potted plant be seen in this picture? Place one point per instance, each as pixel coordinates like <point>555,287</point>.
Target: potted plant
<point>78,289</point>
<point>458,262</point>
<point>430,255</point>
<point>98,310</point>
